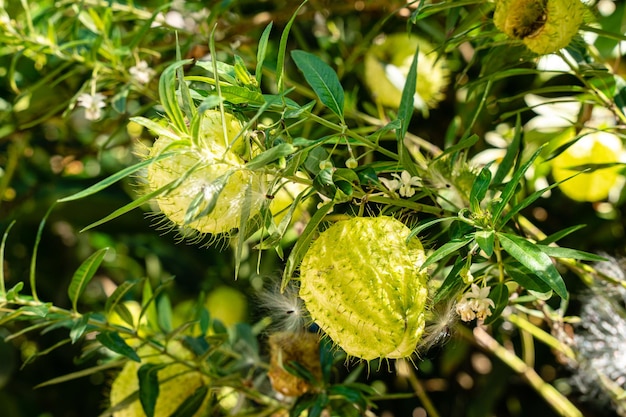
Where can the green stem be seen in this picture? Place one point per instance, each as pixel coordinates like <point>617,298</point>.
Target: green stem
<point>553,397</point>
<point>418,387</point>
<point>541,335</point>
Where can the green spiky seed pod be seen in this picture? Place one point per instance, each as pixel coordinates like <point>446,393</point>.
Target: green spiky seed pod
<point>545,26</point>
<point>211,172</point>
<point>361,282</point>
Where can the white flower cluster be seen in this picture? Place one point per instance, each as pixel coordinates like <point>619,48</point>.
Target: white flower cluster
<point>141,72</point>
<point>403,183</point>
<point>475,304</point>
<point>93,103</point>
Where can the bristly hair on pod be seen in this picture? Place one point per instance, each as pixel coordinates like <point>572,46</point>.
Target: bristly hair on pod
<point>285,308</point>
<point>599,373</point>
<point>440,321</point>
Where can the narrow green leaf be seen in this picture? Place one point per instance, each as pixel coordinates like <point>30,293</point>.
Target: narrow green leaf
<point>101,185</point>
<point>407,101</point>
<point>114,342</point>
<point>188,108</point>
<point>242,74</point>
<point>128,207</point>
<point>319,406</point>
<point>164,311</point>
<point>192,404</point>
<point>500,296</point>
<point>119,294</point>
<point>323,79</point>
<point>528,201</point>
<point>118,102</point>
<point>561,234</point>
<point>303,242</point>
<point>80,374</point>
<point>168,96</point>
<point>524,277</point>
<point>243,226</point>
<point>78,328</point>
<point>205,201</point>
<point>566,253</point>
<point>14,291</point>
<point>297,112</point>
<point>2,248</point>
<point>33,259</point>
<point>419,229</point>
<point>241,95</point>
<point>148,376</point>
<point>535,260</point>
<point>506,165</point>
<point>452,283</point>
<point>146,27</point>
<point>83,275</point>
<point>480,188</point>
<point>271,155</point>
<point>323,183</point>
<point>511,186</point>
<point>122,311</point>
<point>463,144</point>
<point>447,249</point>
<point>261,52</point>
<point>148,306</point>
<point>155,128</point>
<point>282,49</point>
<point>485,240</point>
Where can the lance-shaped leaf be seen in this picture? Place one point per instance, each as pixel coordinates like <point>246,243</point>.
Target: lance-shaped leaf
<point>480,188</point>
<point>535,260</point>
<point>83,275</point>
<point>149,386</point>
<point>323,79</point>
<point>114,342</point>
<point>192,404</point>
<point>447,249</point>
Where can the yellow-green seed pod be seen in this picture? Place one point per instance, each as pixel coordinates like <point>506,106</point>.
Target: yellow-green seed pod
<point>204,167</point>
<point>361,283</point>
<point>177,382</point>
<point>545,26</point>
<point>594,148</point>
<point>387,64</point>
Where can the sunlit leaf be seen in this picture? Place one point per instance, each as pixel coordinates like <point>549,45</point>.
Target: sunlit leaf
<point>261,52</point>
<point>535,260</point>
<point>485,240</point>
<point>480,188</point>
<point>149,386</point>
<point>84,274</point>
<point>115,342</point>
<point>192,403</point>
<point>322,79</point>
<point>446,250</point>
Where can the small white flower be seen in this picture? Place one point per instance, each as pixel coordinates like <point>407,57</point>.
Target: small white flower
<point>465,311</point>
<point>92,104</point>
<point>404,183</point>
<point>392,185</point>
<point>141,72</point>
<point>475,304</point>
